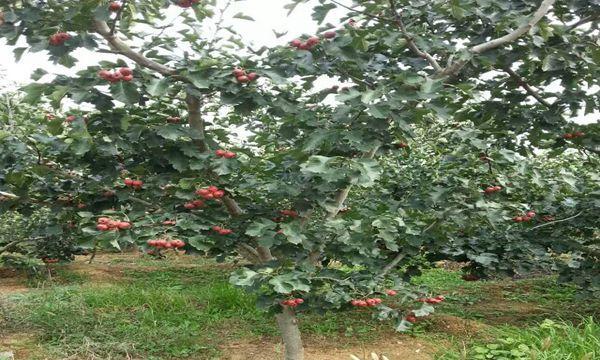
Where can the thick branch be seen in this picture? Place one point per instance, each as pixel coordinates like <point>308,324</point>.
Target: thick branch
<point>249,253</point>
<point>196,121</point>
<point>8,195</point>
<point>522,83</point>
<point>410,41</point>
<point>119,45</point>
<point>543,9</point>
<point>10,245</point>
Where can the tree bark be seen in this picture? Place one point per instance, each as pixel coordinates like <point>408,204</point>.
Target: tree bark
<point>288,327</point>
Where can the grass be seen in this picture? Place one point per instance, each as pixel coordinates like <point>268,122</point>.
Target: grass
<point>164,310</point>
<point>550,340</point>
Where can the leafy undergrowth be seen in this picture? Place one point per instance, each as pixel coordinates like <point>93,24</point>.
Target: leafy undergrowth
<point>164,310</point>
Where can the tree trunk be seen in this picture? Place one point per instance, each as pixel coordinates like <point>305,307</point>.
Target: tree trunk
<point>288,327</point>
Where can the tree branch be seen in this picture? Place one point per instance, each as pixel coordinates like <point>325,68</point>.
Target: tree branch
<point>542,10</point>
<point>119,45</point>
<point>118,17</point>
<point>556,221</point>
<point>389,267</point>
<point>360,12</point>
<point>583,20</point>
<point>8,195</point>
<point>522,83</point>
<point>410,41</point>
<point>196,121</point>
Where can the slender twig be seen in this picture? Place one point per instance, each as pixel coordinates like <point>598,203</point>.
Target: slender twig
<point>583,20</point>
<point>556,221</point>
<point>373,16</point>
<point>389,267</point>
<point>118,17</point>
<point>522,83</point>
<point>410,41</point>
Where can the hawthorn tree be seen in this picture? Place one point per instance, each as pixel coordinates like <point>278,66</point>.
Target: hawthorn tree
<point>443,139</point>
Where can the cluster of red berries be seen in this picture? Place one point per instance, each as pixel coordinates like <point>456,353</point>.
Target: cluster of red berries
<point>492,189</point>
<point>193,204</point>
<point>391,292</point>
<point>59,38</point>
<point>222,231</point>
<point>105,224</point>
<point>292,302</point>
<point>211,192</point>
<point>242,77</point>
<point>136,184</point>
<point>49,260</point>
<point>187,3</point>
<point>166,244</point>
<point>411,318</point>
<point>290,213</point>
<point>114,6</point>
<point>169,222</point>
<point>366,303</point>
<point>123,74</point>
<point>433,300</point>
<point>573,135</point>
<point>225,154</point>
<point>523,218</point>
<point>306,45</point>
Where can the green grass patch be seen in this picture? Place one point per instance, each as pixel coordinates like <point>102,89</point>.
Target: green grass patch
<point>550,340</point>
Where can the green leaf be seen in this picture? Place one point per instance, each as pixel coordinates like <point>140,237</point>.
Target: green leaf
<point>125,92</point>
<point>243,17</point>
<point>158,87</point>
<point>260,227</point>
<point>33,92</point>
<point>244,277</point>
<point>38,73</point>
<point>293,232</point>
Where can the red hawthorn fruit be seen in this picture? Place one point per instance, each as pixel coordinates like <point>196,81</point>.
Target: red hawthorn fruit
<point>304,46</point>
<point>518,219</point>
<point>497,188</point>
<point>169,222</point>
<point>238,72</point>
<point>433,301</point>
<point>116,76</point>
<point>401,145</point>
<point>579,134</point>
<point>168,245</point>
<point>185,3</point>
<point>526,218</point>
<point>362,303</point>
<point>220,153</point>
<point>173,119</point>
<point>178,243</point>
<point>189,206</point>
<point>531,214</point>
<point>198,203</point>
<point>225,231</point>
<point>371,302</point>
<point>218,194</point>
<point>137,183</point>
<point>391,292</point>
<point>161,243</point>
<point>354,302</point>
<point>312,41</point>
<point>71,118</point>
<point>440,297</point>
<point>212,188</point>
<point>217,228</point>
<point>567,136</point>
<point>105,74</point>
<point>202,192</point>
<point>209,196</point>
<point>489,190</point>
<point>229,155</point>
<point>128,182</point>
<point>329,35</point>
<point>124,225</point>
<point>114,6</point>
<point>252,76</point>
<point>151,242</point>
<point>125,71</point>
<point>102,227</point>
<point>127,78</point>
<point>378,300</point>
<point>299,301</point>
<point>296,42</point>
<point>243,79</point>
<point>411,319</point>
